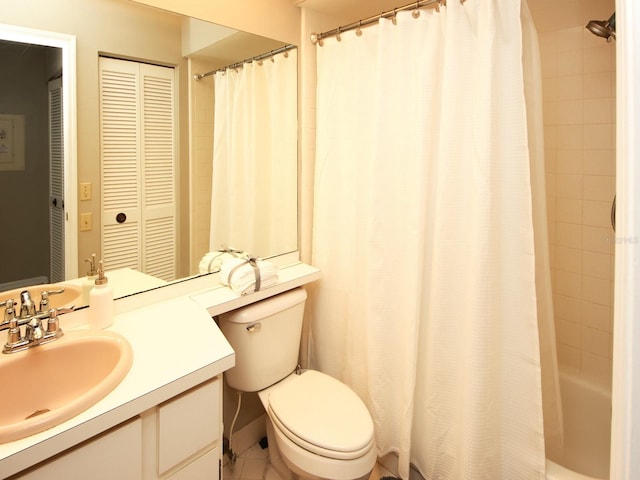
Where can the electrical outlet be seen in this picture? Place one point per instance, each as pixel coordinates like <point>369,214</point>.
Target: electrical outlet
<point>85,222</point>
<point>85,191</point>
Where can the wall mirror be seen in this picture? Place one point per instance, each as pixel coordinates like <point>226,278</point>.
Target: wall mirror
<point>131,31</point>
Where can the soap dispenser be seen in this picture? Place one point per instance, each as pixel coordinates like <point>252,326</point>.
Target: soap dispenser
<point>90,280</point>
<point>101,301</point>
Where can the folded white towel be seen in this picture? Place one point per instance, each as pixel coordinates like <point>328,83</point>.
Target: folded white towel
<point>212,261</point>
<point>242,274</point>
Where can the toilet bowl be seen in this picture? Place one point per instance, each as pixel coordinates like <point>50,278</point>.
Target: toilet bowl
<point>318,426</point>
<point>321,427</point>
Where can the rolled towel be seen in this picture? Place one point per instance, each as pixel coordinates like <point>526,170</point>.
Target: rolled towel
<point>248,275</point>
<point>212,261</point>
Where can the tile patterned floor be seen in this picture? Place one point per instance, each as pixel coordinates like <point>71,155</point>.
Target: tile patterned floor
<point>252,465</point>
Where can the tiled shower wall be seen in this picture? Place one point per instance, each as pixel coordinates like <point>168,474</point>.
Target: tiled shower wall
<point>578,72</point>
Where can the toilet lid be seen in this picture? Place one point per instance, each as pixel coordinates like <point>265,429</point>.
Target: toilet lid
<point>323,415</point>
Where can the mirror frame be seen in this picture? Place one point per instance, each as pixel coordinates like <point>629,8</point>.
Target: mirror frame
<point>67,43</point>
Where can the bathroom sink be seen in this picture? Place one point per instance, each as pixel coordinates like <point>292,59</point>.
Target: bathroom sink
<point>72,294</point>
<point>51,383</point>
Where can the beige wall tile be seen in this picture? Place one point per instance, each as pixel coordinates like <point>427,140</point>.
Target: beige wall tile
<point>569,358</point>
<point>569,210</point>
<point>579,127</point>
<point>596,290</point>
<point>569,235</point>
<point>570,87</point>
<point>596,239</point>
<point>597,316</point>
<point>569,161</point>
<point>596,368</point>
<point>570,136</point>
<point>567,308</point>
<point>569,333</point>
<point>569,284</point>
<point>597,265</point>
<point>596,342</point>
<point>568,259</point>
<point>569,186</point>
<point>597,85</point>
<point>596,213</point>
<point>597,187</point>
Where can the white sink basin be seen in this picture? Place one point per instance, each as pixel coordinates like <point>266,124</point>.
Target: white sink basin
<point>51,383</point>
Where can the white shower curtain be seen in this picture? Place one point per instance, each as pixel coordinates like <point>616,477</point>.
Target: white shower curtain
<point>423,229</point>
<point>254,187</point>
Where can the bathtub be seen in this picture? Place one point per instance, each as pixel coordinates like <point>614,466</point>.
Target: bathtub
<point>587,432</point>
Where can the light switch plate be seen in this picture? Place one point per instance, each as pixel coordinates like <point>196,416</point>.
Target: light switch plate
<point>85,191</point>
<point>85,222</point>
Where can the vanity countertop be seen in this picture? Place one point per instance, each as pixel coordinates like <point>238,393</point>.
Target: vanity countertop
<point>176,346</point>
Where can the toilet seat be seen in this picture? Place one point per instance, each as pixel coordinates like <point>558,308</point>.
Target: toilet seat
<point>322,415</point>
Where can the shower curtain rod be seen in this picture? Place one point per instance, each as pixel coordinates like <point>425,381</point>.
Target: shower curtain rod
<point>198,76</point>
<point>318,37</point>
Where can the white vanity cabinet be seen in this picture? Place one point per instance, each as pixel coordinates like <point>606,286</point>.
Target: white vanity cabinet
<point>180,439</point>
<point>189,439</point>
<point>116,453</point>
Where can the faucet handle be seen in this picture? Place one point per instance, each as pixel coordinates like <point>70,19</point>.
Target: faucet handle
<point>53,324</point>
<point>14,331</point>
<point>44,298</point>
<point>9,311</point>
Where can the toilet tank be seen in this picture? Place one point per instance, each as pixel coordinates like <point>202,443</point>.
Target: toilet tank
<point>266,339</point>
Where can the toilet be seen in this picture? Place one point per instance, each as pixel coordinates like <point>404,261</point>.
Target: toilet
<point>316,424</point>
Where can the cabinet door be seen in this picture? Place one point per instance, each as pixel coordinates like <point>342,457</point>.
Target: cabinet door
<point>206,467</point>
<point>188,424</point>
<point>114,454</point>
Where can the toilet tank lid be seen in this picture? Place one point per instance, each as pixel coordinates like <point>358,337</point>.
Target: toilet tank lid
<point>267,307</point>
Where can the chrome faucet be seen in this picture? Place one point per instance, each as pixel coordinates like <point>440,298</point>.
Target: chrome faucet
<point>37,331</point>
<point>27,307</point>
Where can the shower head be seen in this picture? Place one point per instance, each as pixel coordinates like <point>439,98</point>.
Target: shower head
<point>603,28</point>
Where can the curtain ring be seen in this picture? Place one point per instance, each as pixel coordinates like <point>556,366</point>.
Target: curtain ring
<point>416,12</point>
<point>359,29</point>
<point>260,62</point>
<point>286,54</point>
<point>394,20</point>
<point>338,36</point>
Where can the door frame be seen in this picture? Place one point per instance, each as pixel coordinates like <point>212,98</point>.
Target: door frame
<point>67,43</point>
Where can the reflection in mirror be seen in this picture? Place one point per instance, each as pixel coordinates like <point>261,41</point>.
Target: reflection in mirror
<point>123,29</point>
<point>253,185</point>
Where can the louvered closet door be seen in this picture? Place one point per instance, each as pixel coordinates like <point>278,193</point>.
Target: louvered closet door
<point>56,183</point>
<point>138,166</point>
<point>158,180</point>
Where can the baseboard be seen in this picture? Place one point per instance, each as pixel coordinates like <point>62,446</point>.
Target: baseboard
<point>249,435</point>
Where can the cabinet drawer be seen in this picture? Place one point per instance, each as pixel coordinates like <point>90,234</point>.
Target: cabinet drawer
<point>188,424</point>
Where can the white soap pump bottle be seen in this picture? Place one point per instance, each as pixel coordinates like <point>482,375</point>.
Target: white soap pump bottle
<point>101,301</point>
<point>90,280</point>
